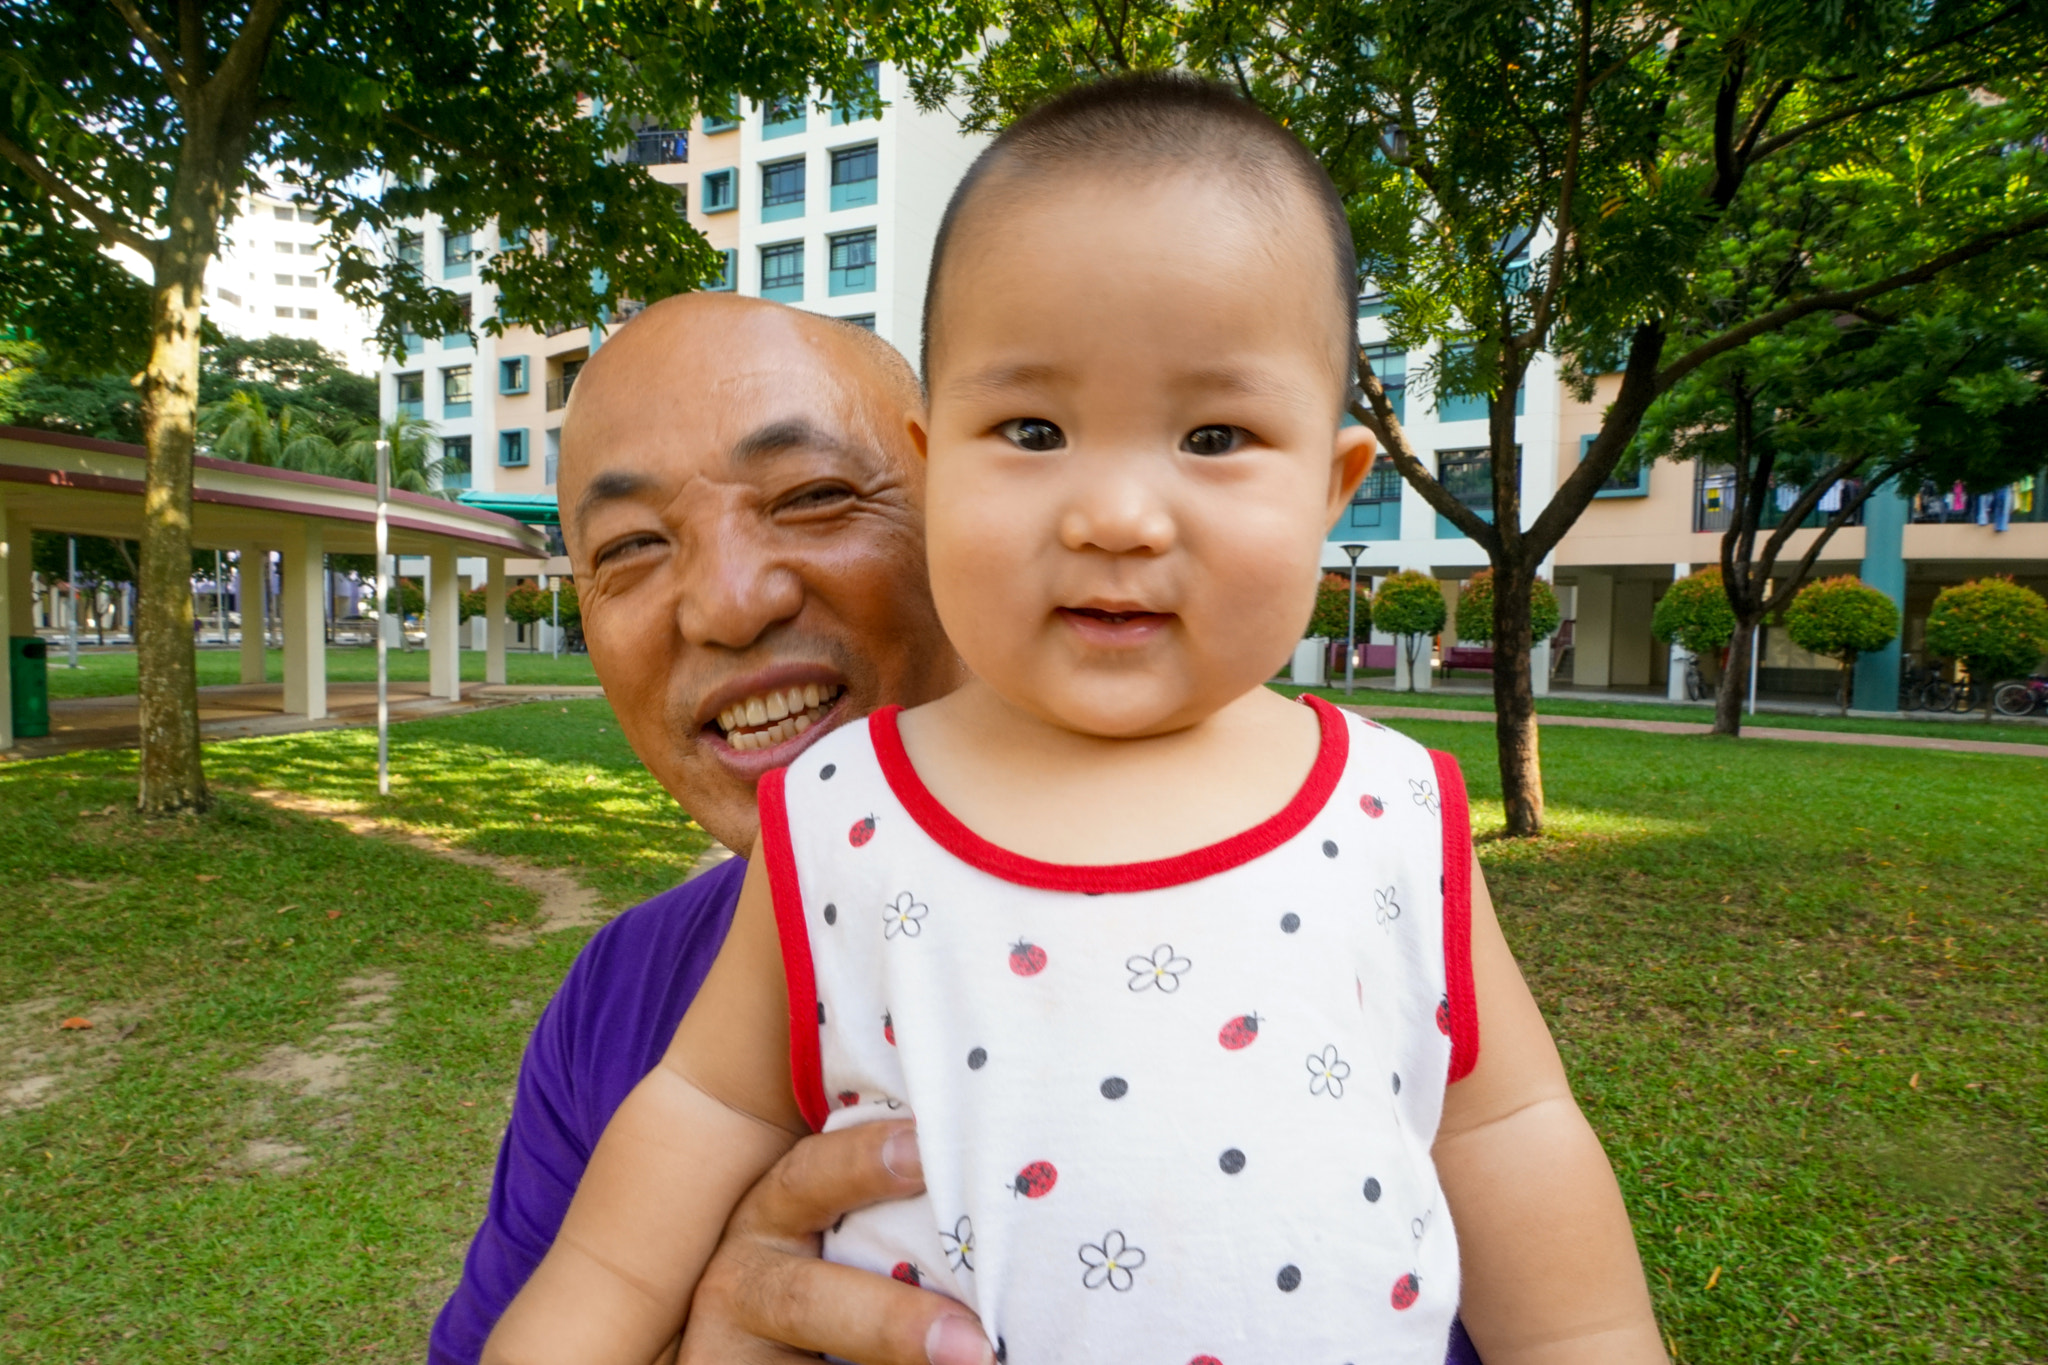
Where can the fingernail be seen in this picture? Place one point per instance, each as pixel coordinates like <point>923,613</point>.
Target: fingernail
<point>900,1155</point>
<point>957,1341</point>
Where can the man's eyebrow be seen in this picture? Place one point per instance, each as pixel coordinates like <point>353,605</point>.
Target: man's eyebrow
<point>611,486</point>
<point>789,434</point>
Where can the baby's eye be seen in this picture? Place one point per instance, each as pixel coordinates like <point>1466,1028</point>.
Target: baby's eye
<point>1213,440</point>
<point>1033,433</point>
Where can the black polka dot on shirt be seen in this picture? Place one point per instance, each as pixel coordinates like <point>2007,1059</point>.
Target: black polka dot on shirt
<point>1115,1088</point>
<point>831,914</point>
<point>1289,922</point>
<point>825,773</point>
<point>821,1014</point>
<point>977,1059</point>
<point>1232,1161</point>
<point>1372,1190</point>
<point>1329,848</point>
<point>1397,1082</point>
<point>1289,1278</point>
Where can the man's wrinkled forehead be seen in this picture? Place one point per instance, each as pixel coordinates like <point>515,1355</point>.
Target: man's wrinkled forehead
<point>642,470</point>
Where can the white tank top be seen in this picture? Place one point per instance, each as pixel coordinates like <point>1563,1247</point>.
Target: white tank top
<point>1176,1112</point>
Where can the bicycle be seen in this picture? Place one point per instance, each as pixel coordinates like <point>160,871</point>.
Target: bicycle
<point>2020,698</point>
<point>1696,688</point>
<point>1924,689</point>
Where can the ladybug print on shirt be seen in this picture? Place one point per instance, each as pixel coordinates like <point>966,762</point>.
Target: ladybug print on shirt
<point>862,831</point>
<point>1239,1033</point>
<point>1026,959</point>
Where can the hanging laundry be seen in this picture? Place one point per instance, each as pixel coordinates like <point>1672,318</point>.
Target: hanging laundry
<point>1958,500</point>
<point>1831,501</point>
<point>1787,495</point>
<point>2001,509</point>
<point>2023,496</point>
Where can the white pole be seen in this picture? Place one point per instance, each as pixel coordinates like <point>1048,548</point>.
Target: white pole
<point>383,609</point>
<point>73,552</point>
<point>557,592</point>
<point>220,602</point>
<point>1755,633</point>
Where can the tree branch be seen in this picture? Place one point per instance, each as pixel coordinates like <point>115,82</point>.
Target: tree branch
<point>1793,581</point>
<point>159,51</point>
<point>1745,148</point>
<point>1814,125</point>
<point>1842,299</point>
<point>103,222</point>
<point>1568,180</point>
<point>1377,414</point>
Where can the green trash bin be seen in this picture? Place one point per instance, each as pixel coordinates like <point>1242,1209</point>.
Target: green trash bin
<point>28,664</point>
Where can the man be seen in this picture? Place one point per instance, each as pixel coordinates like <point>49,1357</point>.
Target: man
<point>741,503</point>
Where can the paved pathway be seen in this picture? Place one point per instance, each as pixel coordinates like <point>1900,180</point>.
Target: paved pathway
<point>1680,727</point>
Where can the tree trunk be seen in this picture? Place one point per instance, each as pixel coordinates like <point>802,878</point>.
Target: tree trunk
<point>1734,680</point>
<point>167,678</point>
<point>1514,704</point>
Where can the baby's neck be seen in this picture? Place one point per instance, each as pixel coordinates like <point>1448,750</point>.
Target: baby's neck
<point>1058,795</point>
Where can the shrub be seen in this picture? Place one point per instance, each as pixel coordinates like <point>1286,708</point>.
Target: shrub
<point>404,598</point>
<point>1475,609</point>
<point>1695,613</point>
<point>1841,618</point>
<point>1410,604</point>
<point>1993,626</point>
<point>1332,617</point>
<point>473,604</point>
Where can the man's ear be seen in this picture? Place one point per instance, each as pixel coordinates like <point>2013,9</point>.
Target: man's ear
<point>915,422</point>
<point>1350,462</point>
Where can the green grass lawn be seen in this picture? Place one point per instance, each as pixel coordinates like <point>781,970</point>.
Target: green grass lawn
<point>2003,730</point>
<point>1798,989</point>
<point>112,673</point>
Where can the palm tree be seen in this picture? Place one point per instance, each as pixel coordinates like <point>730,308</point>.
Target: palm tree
<point>242,427</point>
<point>416,463</point>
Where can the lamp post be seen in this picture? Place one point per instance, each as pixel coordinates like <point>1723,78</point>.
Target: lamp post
<point>383,616</point>
<point>1351,626</point>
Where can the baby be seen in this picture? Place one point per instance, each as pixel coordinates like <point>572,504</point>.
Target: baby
<point>1091,917</point>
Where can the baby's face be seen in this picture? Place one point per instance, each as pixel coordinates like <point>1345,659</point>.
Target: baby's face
<point>1133,447</point>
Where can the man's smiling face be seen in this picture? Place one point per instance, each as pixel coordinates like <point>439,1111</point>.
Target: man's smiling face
<point>743,510</point>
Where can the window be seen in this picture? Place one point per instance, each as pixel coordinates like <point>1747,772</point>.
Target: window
<point>281,213</point>
<point>308,282</point>
<point>853,263</point>
<point>458,339</point>
<point>284,312</point>
<point>1371,302</point>
<point>412,340</point>
<point>310,314</point>
<point>563,384</point>
<point>512,375</point>
<point>410,249</point>
<point>554,457</point>
<point>1390,363</point>
<point>783,116</point>
<point>283,280</point>
<point>682,194</point>
<point>285,248</point>
<point>719,116</point>
<point>455,462</point>
<point>782,272</point>
<point>718,193</point>
<point>866,320</point>
<point>1466,475</point>
<point>411,395</point>
<point>512,449</point>
<point>854,172</point>
<point>862,103</point>
<point>309,248</point>
<point>454,254</point>
<point>230,296</point>
<point>659,147</point>
<point>728,273</point>
<point>782,190</point>
<point>1376,506</point>
<point>1630,479</point>
<point>308,216</point>
<point>1467,407</point>
<point>511,239</point>
<point>455,391</point>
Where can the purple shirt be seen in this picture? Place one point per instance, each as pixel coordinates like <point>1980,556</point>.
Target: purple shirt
<point>605,1029</point>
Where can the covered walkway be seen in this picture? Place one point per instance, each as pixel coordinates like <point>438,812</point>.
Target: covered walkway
<point>73,485</point>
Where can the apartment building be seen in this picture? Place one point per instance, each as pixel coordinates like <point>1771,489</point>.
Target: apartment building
<point>272,276</point>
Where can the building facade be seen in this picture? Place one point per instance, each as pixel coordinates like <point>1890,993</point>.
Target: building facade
<point>272,276</point>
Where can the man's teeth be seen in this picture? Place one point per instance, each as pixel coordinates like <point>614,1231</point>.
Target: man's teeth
<point>772,717</point>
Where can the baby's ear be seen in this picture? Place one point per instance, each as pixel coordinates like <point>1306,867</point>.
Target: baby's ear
<point>1350,461</point>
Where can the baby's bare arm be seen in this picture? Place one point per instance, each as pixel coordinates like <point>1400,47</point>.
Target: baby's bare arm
<point>1551,1275</point>
<point>690,1140</point>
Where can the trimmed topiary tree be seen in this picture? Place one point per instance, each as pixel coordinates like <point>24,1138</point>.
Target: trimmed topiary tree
<point>1410,606</point>
<point>1993,627</point>
<point>473,604</point>
<point>1695,614</point>
<point>1842,617</point>
<point>1331,616</point>
<point>527,604</point>
<point>1475,610</point>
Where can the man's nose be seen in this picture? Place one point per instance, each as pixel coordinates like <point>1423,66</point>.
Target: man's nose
<point>1115,507</point>
<point>734,591</point>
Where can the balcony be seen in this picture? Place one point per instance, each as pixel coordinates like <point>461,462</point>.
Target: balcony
<point>1714,503</point>
<point>558,392</point>
<point>659,147</point>
<point>2020,502</point>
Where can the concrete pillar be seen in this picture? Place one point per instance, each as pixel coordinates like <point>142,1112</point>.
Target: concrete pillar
<point>305,635</point>
<point>1450,591</point>
<point>17,606</point>
<point>1674,687</point>
<point>494,624</point>
<point>1539,668</point>
<point>444,617</point>
<point>252,580</point>
<point>1593,633</point>
<point>1884,568</point>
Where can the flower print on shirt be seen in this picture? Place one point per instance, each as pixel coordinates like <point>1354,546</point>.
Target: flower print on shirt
<point>1161,968</point>
<point>1424,792</point>
<point>1385,909</point>
<point>1327,1073</point>
<point>959,1244</point>
<point>905,916</point>
<point>1110,1262</point>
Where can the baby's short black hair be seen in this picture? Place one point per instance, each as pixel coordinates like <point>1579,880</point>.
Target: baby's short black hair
<point>1166,119</point>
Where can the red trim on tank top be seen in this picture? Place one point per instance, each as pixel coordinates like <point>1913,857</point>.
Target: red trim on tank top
<point>1459,990</point>
<point>806,1068</point>
<point>1099,878</point>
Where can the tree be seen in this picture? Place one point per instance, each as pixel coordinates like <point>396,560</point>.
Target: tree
<point>1410,606</point>
<point>289,370</point>
<point>1993,627</point>
<point>1840,618</point>
<point>102,565</point>
<point>1560,177</point>
<point>473,604</point>
<point>102,405</point>
<point>1811,423</point>
<point>1695,613</point>
<point>1475,609</point>
<point>243,427</point>
<point>135,125</point>
<point>416,465</point>
<point>1332,615</point>
<point>527,605</point>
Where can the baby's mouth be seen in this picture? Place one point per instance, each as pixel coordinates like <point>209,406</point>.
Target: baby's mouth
<point>769,718</point>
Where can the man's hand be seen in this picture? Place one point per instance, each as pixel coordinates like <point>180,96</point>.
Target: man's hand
<point>766,1298</point>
